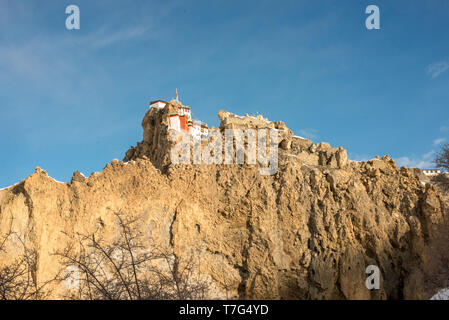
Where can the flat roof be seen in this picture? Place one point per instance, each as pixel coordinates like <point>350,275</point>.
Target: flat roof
<point>156,101</point>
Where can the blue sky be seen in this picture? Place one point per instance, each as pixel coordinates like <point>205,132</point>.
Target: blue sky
<point>74,100</point>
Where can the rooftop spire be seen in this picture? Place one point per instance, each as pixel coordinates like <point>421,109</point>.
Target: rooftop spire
<point>177,100</point>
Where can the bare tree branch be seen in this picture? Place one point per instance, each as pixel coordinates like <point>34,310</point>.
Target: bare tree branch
<point>128,269</point>
<point>18,278</point>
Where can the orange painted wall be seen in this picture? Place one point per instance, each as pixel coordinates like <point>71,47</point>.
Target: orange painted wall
<point>183,122</point>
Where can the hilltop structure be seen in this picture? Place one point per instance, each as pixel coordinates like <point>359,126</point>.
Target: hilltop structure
<point>180,119</point>
<point>307,232</point>
<point>165,120</point>
<point>431,172</point>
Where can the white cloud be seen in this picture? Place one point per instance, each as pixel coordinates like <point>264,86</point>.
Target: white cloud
<point>435,69</point>
<point>439,141</point>
<point>424,162</point>
<point>357,157</point>
<point>412,163</point>
<point>444,128</point>
<point>428,155</point>
<point>41,55</point>
<point>104,37</point>
<point>309,133</point>
<point>123,35</point>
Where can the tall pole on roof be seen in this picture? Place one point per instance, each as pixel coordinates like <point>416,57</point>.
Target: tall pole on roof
<point>177,100</point>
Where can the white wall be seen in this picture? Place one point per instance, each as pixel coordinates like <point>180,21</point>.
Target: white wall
<point>174,123</point>
<point>158,105</point>
<point>431,173</point>
<point>196,131</point>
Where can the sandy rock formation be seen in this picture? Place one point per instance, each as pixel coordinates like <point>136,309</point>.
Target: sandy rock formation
<point>307,232</point>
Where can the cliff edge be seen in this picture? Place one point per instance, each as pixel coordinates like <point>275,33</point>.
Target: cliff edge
<point>308,231</point>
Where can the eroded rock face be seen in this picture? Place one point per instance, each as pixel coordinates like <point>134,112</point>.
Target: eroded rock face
<point>307,232</point>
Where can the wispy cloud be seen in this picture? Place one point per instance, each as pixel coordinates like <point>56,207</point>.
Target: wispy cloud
<point>436,69</point>
<point>107,37</point>
<point>428,155</point>
<point>309,133</point>
<point>42,60</point>
<point>423,162</point>
<point>122,35</point>
<point>413,163</point>
<point>439,141</point>
<point>357,157</point>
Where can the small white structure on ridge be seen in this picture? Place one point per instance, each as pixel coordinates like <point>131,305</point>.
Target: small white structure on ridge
<point>158,104</point>
<point>431,172</point>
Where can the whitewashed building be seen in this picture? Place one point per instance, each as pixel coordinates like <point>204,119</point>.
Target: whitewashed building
<point>182,120</point>
<point>185,111</point>
<point>174,122</point>
<point>158,104</point>
<point>198,129</point>
<point>431,172</point>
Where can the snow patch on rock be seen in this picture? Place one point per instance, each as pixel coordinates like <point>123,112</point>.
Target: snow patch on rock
<point>443,294</point>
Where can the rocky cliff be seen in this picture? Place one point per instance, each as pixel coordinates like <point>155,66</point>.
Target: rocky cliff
<point>306,232</point>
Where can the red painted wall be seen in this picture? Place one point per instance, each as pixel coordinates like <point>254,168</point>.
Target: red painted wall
<point>183,121</point>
